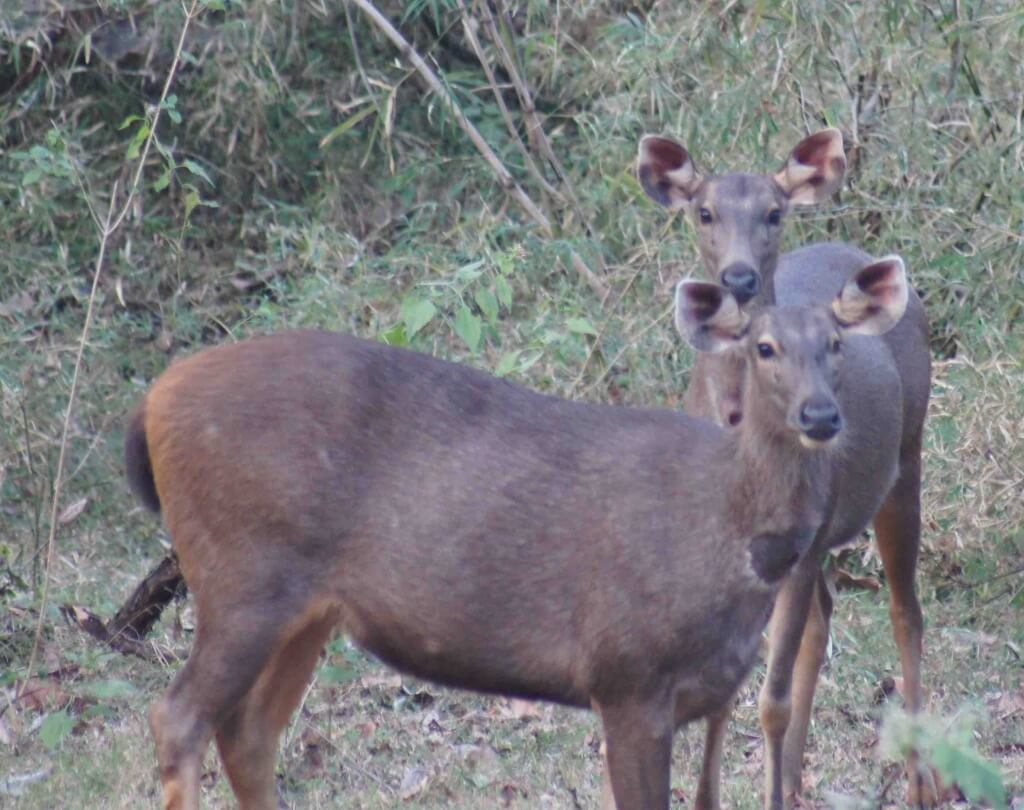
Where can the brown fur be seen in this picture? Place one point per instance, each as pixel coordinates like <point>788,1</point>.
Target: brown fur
<point>468,531</point>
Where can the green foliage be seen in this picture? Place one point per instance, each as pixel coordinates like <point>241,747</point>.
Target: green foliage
<point>949,748</point>
<point>56,728</point>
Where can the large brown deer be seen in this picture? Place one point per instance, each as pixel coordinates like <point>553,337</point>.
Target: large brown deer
<point>738,218</point>
<point>480,535</point>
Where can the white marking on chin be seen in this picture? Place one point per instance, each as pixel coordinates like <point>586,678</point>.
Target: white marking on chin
<point>816,444</point>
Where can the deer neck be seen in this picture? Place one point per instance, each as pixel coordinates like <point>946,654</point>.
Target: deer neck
<point>777,485</point>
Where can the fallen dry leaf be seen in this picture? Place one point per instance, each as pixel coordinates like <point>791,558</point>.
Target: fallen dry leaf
<point>414,782</point>
<point>484,765</point>
<point>509,792</point>
<point>17,304</point>
<point>845,581</point>
<point>72,511</point>
<point>40,695</point>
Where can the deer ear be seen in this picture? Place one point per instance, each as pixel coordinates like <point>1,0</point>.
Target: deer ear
<point>708,316</point>
<point>874,298</point>
<point>666,172</point>
<point>814,169</point>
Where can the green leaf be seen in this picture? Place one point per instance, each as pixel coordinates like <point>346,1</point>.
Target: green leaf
<point>395,336</point>
<point>331,674</point>
<point>507,363</point>
<point>196,169</point>
<point>528,363</point>
<point>107,689</point>
<point>977,778</point>
<point>505,262</point>
<point>488,304</point>
<point>581,326</point>
<point>31,176</point>
<point>131,119</point>
<point>191,201</point>
<point>39,153</point>
<point>137,140</point>
<point>55,729</point>
<point>470,272</point>
<point>504,291</point>
<point>467,327</point>
<point>347,124</point>
<point>163,181</point>
<point>415,314</point>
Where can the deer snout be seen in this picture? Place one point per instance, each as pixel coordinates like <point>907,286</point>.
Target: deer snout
<point>742,280</point>
<point>819,420</point>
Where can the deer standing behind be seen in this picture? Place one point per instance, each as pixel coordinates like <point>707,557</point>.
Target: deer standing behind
<point>480,535</point>
<point>738,218</point>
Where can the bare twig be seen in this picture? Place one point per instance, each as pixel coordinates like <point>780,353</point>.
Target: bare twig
<point>359,60</point>
<point>435,84</point>
<point>469,26</point>
<point>589,276</point>
<point>109,225</point>
<point>629,344</point>
<point>37,538</point>
<point>534,128</point>
<point>538,138</point>
<point>126,632</point>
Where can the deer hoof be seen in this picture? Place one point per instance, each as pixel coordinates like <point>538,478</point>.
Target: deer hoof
<point>923,786</point>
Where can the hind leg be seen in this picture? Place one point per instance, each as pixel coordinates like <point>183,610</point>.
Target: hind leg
<point>225,661</point>
<point>898,532</point>
<point>247,739</point>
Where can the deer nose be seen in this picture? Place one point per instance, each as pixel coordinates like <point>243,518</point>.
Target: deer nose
<point>742,280</point>
<point>820,419</point>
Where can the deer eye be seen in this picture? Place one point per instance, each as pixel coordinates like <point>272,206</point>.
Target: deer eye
<point>705,216</point>
<point>775,216</point>
<point>765,350</point>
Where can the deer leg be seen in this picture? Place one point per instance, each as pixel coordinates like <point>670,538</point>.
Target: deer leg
<point>805,679</point>
<point>638,736</point>
<point>607,794</point>
<point>789,618</point>
<point>226,659</point>
<point>898,531</point>
<point>711,769</point>
<point>247,738</point>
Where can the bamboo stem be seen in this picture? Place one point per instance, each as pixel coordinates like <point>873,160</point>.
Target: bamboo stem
<point>417,61</point>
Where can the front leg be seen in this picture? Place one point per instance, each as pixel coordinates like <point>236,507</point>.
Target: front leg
<point>638,739</point>
<point>711,768</point>
<point>786,631</point>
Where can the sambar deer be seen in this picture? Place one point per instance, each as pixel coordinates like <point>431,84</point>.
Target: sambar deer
<point>480,535</point>
<point>738,218</point>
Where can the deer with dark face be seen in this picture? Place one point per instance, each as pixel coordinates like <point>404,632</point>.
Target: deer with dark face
<point>477,534</point>
<point>738,218</point>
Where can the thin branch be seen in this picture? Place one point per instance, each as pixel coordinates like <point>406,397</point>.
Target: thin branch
<point>435,84</point>
<point>359,60</point>
<point>469,24</point>
<point>110,224</point>
<point>534,127</point>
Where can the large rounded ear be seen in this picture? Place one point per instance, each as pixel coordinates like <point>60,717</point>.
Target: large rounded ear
<point>874,298</point>
<point>708,316</point>
<point>814,169</point>
<point>667,172</point>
